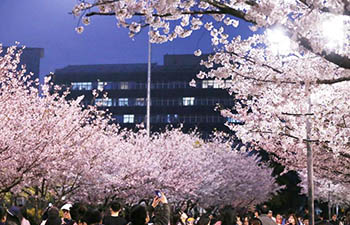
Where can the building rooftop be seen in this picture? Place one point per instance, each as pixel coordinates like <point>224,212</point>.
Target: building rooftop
<point>171,62</point>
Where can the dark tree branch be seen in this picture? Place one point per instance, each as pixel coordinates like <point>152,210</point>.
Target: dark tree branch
<point>346,12</point>
<point>298,114</point>
<point>339,60</point>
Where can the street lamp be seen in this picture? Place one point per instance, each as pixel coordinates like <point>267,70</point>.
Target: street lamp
<point>280,44</point>
<point>148,117</point>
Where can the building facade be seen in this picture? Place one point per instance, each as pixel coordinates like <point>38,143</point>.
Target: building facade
<point>173,100</point>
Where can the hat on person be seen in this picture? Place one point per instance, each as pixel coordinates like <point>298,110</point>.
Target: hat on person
<point>15,212</point>
<point>66,207</point>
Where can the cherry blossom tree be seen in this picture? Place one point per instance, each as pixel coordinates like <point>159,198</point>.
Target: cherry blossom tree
<point>184,166</point>
<point>313,61</point>
<point>327,190</point>
<point>46,141</point>
<point>75,153</point>
<point>288,96</point>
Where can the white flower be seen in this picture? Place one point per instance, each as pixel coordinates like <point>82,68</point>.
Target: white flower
<point>201,75</point>
<point>135,27</point>
<point>198,52</point>
<point>208,26</point>
<point>192,83</point>
<point>79,30</point>
<point>86,20</point>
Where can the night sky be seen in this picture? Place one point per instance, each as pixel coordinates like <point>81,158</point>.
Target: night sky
<point>47,24</point>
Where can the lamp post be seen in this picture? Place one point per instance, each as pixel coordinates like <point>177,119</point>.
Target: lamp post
<point>310,163</point>
<point>280,44</point>
<point>148,116</point>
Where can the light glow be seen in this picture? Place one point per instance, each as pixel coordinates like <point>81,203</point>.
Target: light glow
<point>279,42</point>
<point>333,31</point>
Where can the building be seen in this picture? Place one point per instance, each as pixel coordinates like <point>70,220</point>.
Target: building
<point>173,100</point>
<point>31,58</point>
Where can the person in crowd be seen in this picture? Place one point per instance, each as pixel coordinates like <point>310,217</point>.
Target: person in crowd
<point>114,218</point>
<point>190,221</point>
<point>347,217</point>
<point>305,213</point>
<point>265,219</point>
<point>25,220</point>
<point>279,219</point>
<point>227,216</point>
<point>3,215</point>
<point>306,221</point>
<point>270,214</point>
<point>78,211</point>
<point>238,220</point>
<point>140,215</point>
<point>176,219</point>
<point>204,220</point>
<point>292,220</point>
<point>255,221</point>
<point>256,214</point>
<point>92,217</point>
<point>67,218</point>
<point>53,217</point>
<point>14,214</point>
<point>246,220</point>
<point>334,220</point>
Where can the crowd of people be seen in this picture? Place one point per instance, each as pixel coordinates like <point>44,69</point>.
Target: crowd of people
<point>158,211</point>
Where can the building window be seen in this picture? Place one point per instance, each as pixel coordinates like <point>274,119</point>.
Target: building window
<point>123,102</point>
<point>228,84</point>
<point>213,84</point>
<point>232,120</point>
<point>124,85</point>
<point>108,85</point>
<point>205,84</point>
<point>186,101</point>
<point>140,102</point>
<point>104,102</point>
<point>128,118</point>
<point>81,86</point>
<point>100,85</point>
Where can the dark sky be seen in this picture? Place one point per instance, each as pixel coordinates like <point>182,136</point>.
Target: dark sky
<point>47,24</point>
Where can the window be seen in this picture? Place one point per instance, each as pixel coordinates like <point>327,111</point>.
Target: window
<point>103,102</point>
<point>205,84</point>
<point>123,102</point>
<point>228,83</point>
<point>124,85</point>
<point>186,101</point>
<point>108,86</point>
<point>140,86</point>
<point>168,118</point>
<point>128,118</point>
<point>81,86</point>
<point>100,85</point>
<point>140,102</point>
<point>213,84</point>
<point>232,120</point>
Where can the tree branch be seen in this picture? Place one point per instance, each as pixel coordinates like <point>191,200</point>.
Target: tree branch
<point>341,61</point>
<point>298,114</point>
<point>346,12</point>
